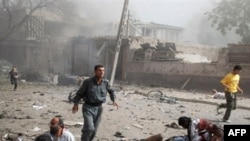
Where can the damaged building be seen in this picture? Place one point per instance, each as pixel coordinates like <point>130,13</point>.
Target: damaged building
<point>142,61</point>
<point>147,61</point>
<point>151,54</point>
<point>137,28</point>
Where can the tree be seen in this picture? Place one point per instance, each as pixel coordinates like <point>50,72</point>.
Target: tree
<point>11,20</point>
<point>232,15</point>
<point>10,6</point>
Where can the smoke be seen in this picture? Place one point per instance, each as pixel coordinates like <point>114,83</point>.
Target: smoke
<point>170,12</point>
<point>100,11</point>
<point>103,16</point>
<point>199,30</point>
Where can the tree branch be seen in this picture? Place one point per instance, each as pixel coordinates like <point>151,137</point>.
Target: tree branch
<point>8,12</point>
<point>14,27</point>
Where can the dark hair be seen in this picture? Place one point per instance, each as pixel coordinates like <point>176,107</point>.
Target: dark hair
<point>237,67</point>
<point>98,66</point>
<point>43,137</point>
<point>182,120</point>
<point>60,123</point>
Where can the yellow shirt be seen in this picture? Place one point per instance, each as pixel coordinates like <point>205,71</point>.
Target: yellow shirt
<point>232,81</point>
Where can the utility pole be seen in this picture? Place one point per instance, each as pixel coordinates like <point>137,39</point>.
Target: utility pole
<point>119,39</point>
<point>127,32</point>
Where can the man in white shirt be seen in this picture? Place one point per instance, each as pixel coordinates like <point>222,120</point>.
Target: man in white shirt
<point>58,132</point>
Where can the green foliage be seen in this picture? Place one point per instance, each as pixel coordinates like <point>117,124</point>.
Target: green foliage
<point>232,15</point>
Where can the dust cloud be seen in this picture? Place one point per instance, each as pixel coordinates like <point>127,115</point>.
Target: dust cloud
<point>188,14</point>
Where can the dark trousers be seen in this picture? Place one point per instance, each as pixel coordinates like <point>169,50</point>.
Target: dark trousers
<point>15,86</point>
<point>230,104</point>
<point>14,82</point>
<point>92,117</point>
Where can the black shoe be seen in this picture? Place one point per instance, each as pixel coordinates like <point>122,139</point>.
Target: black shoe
<point>217,109</point>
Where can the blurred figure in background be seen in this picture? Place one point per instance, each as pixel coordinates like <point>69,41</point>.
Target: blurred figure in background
<point>13,77</point>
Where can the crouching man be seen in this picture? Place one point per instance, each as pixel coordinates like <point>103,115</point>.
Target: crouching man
<point>58,132</point>
<point>201,129</point>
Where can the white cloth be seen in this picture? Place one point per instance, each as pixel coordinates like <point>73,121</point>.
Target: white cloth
<point>66,136</point>
<point>219,95</point>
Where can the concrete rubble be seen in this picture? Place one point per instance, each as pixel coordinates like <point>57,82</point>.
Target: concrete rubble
<point>137,117</point>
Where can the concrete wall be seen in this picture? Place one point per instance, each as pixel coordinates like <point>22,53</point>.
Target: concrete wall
<point>210,52</point>
<point>80,58</point>
<point>239,53</point>
<point>89,52</point>
<point>203,76</point>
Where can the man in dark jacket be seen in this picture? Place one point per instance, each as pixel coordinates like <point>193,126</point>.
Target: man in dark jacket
<point>93,91</point>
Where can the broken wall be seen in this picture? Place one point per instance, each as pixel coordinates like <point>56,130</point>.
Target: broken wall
<point>239,53</point>
<point>88,52</point>
<point>210,52</point>
<point>203,76</point>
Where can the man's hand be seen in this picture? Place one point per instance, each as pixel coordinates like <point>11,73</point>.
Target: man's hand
<point>75,108</point>
<point>115,104</point>
<point>241,91</point>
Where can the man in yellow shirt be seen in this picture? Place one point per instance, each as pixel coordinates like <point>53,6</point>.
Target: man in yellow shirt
<point>231,84</point>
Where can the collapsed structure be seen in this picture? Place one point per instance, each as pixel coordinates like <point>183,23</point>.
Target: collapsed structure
<point>151,54</point>
<point>142,60</point>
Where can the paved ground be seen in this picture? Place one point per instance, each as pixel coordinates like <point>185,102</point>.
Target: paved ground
<point>29,110</point>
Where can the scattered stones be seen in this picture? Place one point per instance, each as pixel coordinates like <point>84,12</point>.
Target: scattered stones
<point>22,117</point>
<point>138,125</point>
<point>127,127</point>
<point>173,125</point>
<point>119,135</point>
<point>3,114</point>
<point>136,118</point>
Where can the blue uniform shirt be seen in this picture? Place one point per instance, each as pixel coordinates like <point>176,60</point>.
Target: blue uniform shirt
<point>92,92</point>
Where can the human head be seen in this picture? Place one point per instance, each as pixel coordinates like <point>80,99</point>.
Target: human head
<point>99,71</point>
<point>13,68</point>
<point>237,69</point>
<point>56,126</point>
<point>184,121</point>
<point>43,137</point>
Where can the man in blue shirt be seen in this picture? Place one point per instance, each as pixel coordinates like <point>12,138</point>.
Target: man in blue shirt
<point>93,91</point>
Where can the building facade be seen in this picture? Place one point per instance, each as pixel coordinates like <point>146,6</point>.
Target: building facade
<point>154,30</point>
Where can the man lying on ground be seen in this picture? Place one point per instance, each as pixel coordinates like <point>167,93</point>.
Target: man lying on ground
<point>217,95</point>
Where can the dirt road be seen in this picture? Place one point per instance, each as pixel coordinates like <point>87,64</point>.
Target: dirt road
<point>29,110</point>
